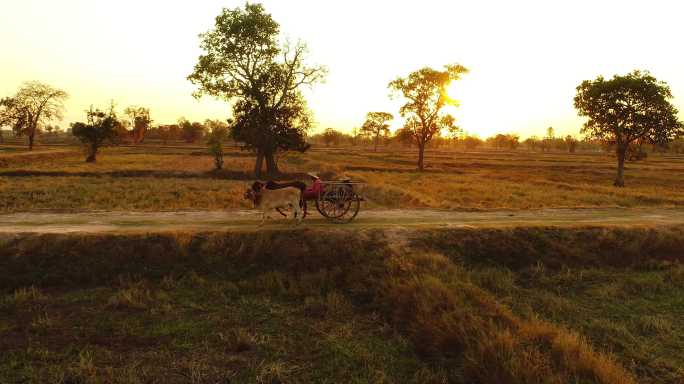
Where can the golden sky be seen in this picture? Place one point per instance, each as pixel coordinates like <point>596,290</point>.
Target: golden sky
<point>526,57</point>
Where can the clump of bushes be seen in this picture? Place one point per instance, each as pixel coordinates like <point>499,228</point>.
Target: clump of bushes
<point>217,136</point>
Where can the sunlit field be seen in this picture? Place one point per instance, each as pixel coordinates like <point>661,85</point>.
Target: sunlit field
<point>479,210</point>
<point>151,178</point>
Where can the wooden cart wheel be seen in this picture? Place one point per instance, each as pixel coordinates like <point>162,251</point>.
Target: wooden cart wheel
<point>352,211</point>
<point>335,202</point>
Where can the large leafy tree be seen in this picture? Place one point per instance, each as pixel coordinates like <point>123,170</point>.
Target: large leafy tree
<point>376,126</point>
<point>426,96</point>
<point>34,105</point>
<point>101,128</point>
<point>244,63</point>
<point>627,109</point>
<point>287,126</point>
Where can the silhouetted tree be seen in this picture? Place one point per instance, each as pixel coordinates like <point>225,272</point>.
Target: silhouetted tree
<point>625,109</point>
<point>532,143</point>
<point>8,115</point>
<point>376,126</point>
<point>548,142</point>
<point>504,141</point>
<point>354,136</point>
<point>190,132</point>
<point>571,143</point>
<point>404,136</point>
<point>244,61</point>
<point>425,92</point>
<point>167,132</point>
<point>140,121</point>
<point>331,136</point>
<point>35,104</point>
<point>218,133</point>
<point>288,126</point>
<point>212,125</point>
<point>550,133</point>
<point>100,129</point>
<point>471,142</point>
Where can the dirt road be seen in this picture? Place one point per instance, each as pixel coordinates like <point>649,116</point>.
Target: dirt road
<point>243,219</point>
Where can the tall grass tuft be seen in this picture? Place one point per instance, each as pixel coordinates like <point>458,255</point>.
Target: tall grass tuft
<point>26,295</point>
<point>445,315</point>
<point>137,296</point>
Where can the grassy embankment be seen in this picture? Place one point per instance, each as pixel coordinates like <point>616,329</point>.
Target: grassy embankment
<point>426,306</point>
<point>149,178</point>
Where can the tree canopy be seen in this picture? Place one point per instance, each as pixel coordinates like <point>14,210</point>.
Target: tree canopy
<point>34,105</point>
<point>191,132</point>
<point>139,121</point>
<point>245,63</point>
<point>425,92</point>
<point>218,133</point>
<point>101,128</point>
<point>376,126</point>
<point>625,109</point>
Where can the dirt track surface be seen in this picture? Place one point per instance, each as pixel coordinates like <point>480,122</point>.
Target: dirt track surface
<point>236,220</point>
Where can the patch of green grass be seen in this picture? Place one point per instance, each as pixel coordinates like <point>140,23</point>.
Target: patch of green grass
<point>334,305</point>
<point>630,312</point>
<point>206,335</point>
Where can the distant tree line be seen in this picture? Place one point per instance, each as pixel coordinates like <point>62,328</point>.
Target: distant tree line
<point>184,130</point>
<point>331,137</point>
<point>105,127</point>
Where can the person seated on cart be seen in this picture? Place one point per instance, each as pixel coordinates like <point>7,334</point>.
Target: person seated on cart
<point>312,192</point>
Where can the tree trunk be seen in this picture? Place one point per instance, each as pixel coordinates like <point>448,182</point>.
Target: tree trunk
<point>30,138</point>
<point>92,154</point>
<point>421,155</point>
<point>271,165</point>
<point>258,164</point>
<point>218,161</point>
<point>377,137</point>
<point>620,178</point>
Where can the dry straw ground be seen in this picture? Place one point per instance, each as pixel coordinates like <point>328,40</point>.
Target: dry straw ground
<point>181,178</point>
<point>520,305</point>
<point>422,306</point>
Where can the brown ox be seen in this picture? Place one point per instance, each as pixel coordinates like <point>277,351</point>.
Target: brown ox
<point>267,200</point>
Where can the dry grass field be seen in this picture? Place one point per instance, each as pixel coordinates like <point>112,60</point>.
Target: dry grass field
<point>181,178</point>
<point>493,198</point>
<point>588,305</point>
<point>521,304</point>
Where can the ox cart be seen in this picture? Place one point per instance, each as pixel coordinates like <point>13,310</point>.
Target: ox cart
<point>337,201</point>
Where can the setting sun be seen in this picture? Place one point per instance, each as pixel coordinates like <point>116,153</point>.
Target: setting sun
<point>452,90</point>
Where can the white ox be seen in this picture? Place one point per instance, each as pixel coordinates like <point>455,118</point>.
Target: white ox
<point>268,200</point>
